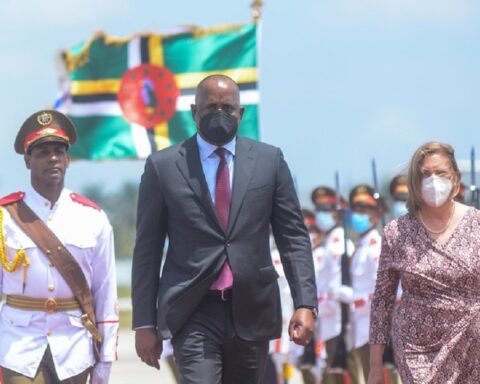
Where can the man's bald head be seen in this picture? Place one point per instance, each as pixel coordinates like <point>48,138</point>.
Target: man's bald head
<point>217,82</point>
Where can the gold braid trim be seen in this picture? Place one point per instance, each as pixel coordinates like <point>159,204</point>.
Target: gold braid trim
<point>20,257</point>
<point>224,28</point>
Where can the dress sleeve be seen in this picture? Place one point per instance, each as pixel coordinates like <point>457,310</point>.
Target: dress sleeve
<point>384,296</point>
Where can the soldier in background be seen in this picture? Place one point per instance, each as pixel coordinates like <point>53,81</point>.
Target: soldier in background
<point>307,358</point>
<point>366,211</point>
<point>327,262</point>
<point>284,354</point>
<point>399,194</point>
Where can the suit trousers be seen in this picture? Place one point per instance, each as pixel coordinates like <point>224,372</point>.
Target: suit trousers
<point>45,374</point>
<point>208,350</point>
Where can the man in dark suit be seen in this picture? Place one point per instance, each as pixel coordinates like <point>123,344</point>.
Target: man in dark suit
<point>217,297</point>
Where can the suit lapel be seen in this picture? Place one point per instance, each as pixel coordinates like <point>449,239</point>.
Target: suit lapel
<point>243,171</point>
<point>190,167</point>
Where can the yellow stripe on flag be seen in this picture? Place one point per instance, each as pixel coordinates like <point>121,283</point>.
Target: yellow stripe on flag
<point>160,136</point>
<point>155,53</point>
<point>184,81</point>
<point>93,87</point>
<point>240,75</point>
<point>155,50</point>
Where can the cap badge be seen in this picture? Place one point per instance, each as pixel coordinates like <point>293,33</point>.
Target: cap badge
<point>44,118</point>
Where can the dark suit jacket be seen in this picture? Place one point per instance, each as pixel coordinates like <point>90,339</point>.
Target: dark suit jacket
<point>174,201</point>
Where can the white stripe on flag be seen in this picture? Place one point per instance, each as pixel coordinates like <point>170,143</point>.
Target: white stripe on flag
<point>112,108</point>
<point>134,58</point>
<point>250,97</point>
<point>246,97</point>
<point>140,140</point>
<point>184,102</point>
<point>98,108</point>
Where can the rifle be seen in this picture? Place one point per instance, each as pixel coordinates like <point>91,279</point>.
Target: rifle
<point>473,186</point>
<point>340,358</point>
<point>376,193</point>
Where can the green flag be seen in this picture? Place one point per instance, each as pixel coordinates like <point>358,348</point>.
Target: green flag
<point>131,96</point>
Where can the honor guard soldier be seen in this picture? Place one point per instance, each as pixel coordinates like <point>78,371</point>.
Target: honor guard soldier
<point>399,194</point>
<point>283,352</point>
<point>366,212</point>
<point>327,262</point>
<point>59,323</point>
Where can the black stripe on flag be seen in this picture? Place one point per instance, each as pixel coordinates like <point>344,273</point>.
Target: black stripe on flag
<point>113,96</point>
<point>144,52</point>
<point>94,97</point>
<point>151,139</point>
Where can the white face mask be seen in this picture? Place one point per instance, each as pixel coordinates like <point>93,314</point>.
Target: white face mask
<point>436,190</point>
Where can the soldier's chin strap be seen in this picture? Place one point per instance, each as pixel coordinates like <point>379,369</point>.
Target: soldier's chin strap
<point>62,260</point>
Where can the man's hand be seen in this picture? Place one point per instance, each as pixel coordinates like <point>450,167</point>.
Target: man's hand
<point>301,326</point>
<point>148,346</point>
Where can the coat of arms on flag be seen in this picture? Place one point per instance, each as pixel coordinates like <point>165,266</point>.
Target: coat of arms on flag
<point>131,96</point>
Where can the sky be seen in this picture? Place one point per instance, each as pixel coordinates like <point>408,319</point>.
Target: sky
<point>341,81</point>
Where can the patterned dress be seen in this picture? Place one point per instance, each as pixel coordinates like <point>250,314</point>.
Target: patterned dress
<point>436,327</point>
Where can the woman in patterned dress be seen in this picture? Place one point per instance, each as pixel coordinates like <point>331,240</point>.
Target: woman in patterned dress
<point>434,252</point>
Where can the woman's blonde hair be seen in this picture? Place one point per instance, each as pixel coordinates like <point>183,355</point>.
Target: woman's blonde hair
<point>415,172</point>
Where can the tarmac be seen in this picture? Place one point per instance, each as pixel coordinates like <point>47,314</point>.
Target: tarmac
<point>130,370</point>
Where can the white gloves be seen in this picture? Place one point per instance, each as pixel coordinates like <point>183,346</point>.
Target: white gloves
<point>100,373</point>
<point>344,294</point>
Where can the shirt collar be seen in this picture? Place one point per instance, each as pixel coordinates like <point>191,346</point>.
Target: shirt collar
<point>206,149</point>
<point>33,197</point>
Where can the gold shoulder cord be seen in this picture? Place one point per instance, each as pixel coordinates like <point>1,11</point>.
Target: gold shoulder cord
<point>20,256</point>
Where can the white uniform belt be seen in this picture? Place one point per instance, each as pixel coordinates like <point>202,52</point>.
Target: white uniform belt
<point>48,305</point>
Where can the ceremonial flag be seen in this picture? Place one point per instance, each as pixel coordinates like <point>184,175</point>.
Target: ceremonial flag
<point>131,96</point>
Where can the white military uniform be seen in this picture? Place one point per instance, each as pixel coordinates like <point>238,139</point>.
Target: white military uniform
<point>327,262</point>
<point>283,350</point>
<point>25,335</point>
<point>364,274</point>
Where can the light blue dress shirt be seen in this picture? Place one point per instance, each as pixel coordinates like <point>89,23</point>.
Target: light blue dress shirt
<point>210,161</point>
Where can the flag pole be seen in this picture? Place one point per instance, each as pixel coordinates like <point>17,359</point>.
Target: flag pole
<point>256,10</point>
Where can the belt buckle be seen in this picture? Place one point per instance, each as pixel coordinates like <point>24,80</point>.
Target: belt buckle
<point>50,305</point>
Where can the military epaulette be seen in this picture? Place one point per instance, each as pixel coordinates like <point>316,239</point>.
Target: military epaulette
<point>84,201</point>
<point>12,198</point>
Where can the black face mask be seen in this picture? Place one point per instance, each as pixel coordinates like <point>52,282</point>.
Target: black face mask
<point>218,127</point>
